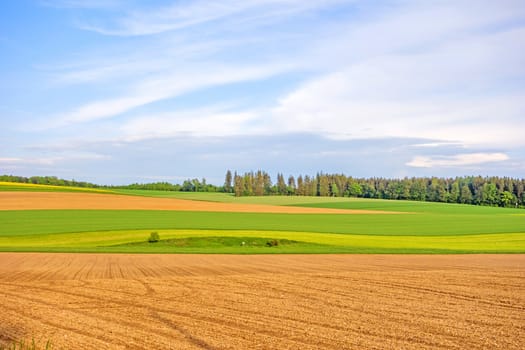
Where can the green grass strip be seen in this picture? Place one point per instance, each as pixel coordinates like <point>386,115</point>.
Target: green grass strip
<point>37,222</point>
<point>135,241</point>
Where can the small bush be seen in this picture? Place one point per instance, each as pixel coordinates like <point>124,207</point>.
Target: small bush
<point>272,243</point>
<point>154,237</point>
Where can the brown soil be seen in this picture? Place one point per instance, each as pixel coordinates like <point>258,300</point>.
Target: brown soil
<point>90,301</point>
<point>66,200</point>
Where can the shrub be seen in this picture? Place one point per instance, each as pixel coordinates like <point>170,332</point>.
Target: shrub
<point>154,237</point>
<point>272,243</point>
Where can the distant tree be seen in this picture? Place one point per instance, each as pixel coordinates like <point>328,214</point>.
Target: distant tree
<point>354,189</point>
<point>188,186</point>
<point>238,185</point>
<point>310,186</point>
<point>249,184</point>
<point>507,199</point>
<point>291,185</point>
<point>454,192</point>
<point>153,237</point>
<point>489,194</point>
<point>334,190</point>
<point>418,190</point>
<point>519,190</point>
<point>300,186</point>
<point>465,195</point>
<point>228,188</point>
<point>267,183</point>
<point>281,185</point>
<point>323,184</point>
<point>437,191</point>
<point>259,184</point>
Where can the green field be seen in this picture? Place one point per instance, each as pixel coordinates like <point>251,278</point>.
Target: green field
<point>425,228</point>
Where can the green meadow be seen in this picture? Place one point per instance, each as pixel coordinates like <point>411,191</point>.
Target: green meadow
<point>421,228</point>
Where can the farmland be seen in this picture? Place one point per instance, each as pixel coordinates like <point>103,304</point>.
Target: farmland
<point>304,292</point>
<point>108,301</point>
<point>95,222</point>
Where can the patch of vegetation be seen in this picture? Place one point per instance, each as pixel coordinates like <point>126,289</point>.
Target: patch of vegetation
<point>153,237</point>
<point>217,241</point>
<point>255,242</point>
<point>272,243</point>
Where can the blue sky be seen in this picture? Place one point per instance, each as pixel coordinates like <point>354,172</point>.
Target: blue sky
<point>119,91</point>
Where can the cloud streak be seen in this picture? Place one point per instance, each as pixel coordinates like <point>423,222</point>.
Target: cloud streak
<point>166,87</point>
<point>192,13</point>
<point>460,160</point>
<point>450,91</point>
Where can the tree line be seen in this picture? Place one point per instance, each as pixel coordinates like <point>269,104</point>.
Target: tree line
<point>477,190</point>
<point>189,185</point>
<point>47,180</point>
<point>491,191</point>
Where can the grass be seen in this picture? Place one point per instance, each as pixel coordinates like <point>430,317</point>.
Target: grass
<point>425,228</point>
<point>219,241</point>
<point>249,244</point>
<point>37,222</point>
<point>412,207</point>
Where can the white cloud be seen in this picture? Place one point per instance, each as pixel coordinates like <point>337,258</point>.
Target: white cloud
<point>436,144</point>
<point>29,161</point>
<point>454,92</point>
<point>167,86</point>
<point>191,13</point>
<point>82,4</point>
<point>197,123</point>
<point>459,160</point>
<point>36,161</point>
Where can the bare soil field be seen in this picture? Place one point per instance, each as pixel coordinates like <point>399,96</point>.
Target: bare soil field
<point>67,200</point>
<point>104,301</point>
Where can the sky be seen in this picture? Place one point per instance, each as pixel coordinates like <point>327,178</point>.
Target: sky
<point>122,91</point>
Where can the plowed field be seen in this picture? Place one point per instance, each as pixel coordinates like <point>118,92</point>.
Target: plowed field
<point>67,200</point>
<point>88,301</point>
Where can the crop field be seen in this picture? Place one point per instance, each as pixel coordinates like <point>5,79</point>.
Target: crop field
<point>108,301</point>
<point>244,293</point>
<point>105,222</point>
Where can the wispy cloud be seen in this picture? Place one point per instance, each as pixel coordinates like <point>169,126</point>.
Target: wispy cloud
<point>436,145</point>
<point>194,123</point>
<point>167,86</point>
<point>31,160</point>
<point>448,91</point>
<point>191,13</point>
<point>460,160</point>
<point>82,4</point>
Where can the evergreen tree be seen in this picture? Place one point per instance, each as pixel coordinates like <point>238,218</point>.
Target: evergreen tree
<point>228,182</point>
<point>291,185</point>
<point>465,195</point>
<point>259,183</point>
<point>281,185</point>
<point>300,186</point>
<point>454,192</point>
<point>323,189</point>
<point>238,185</point>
